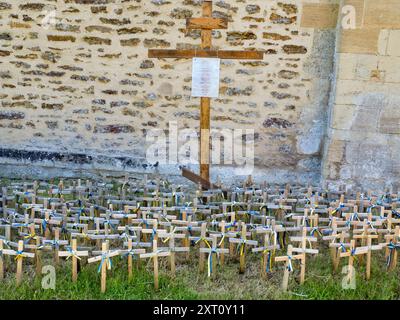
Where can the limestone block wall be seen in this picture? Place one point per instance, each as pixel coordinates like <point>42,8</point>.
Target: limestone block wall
<point>78,91</point>
<point>363,145</point>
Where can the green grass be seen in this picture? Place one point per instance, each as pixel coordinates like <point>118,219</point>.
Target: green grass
<point>189,284</point>
<point>321,282</point>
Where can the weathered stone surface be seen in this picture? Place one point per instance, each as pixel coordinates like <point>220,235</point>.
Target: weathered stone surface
<point>87,83</point>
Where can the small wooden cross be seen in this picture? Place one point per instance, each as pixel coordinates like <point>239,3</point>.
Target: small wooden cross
<point>105,263</point>
<point>268,251</point>
<point>288,265</point>
<point>206,24</point>
<point>337,247</point>
<point>46,222</point>
<point>303,250</point>
<point>359,251</point>
<point>19,257</point>
<point>243,243</point>
<point>55,244</point>
<point>130,253</point>
<point>213,251</point>
<point>75,255</point>
<point>155,255</point>
<point>170,238</point>
<point>392,245</point>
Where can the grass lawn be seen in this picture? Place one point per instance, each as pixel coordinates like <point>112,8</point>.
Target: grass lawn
<point>189,284</point>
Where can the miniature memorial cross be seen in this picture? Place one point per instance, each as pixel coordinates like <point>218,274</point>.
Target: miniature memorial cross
<point>155,254</point>
<point>206,24</point>
<point>268,250</point>
<point>75,255</point>
<point>19,256</point>
<point>105,263</point>
<point>129,253</point>
<point>355,251</point>
<point>170,238</point>
<point>391,248</point>
<point>288,265</point>
<point>213,251</point>
<point>303,250</point>
<point>243,242</point>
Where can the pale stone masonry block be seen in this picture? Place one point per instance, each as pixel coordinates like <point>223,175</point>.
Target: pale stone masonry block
<point>336,150</point>
<point>353,91</point>
<point>389,122</point>
<point>359,41</point>
<point>343,116</point>
<point>319,15</point>
<point>382,14</point>
<point>391,66</point>
<point>393,48</point>
<point>357,66</point>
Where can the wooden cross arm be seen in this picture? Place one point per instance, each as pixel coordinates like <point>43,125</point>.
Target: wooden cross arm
<point>179,249</point>
<point>78,253</point>
<point>335,236</point>
<point>248,242</point>
<point>148,221</point>
<point>206,23</point>
<point>123,228</point>
<point>159,231</point>
<point>208,250</point>
<point>109,255</point>
<point>286,258</point>
<point>134,251</point>
<point>299,239</point>
<point>155,254</point>
<point>104,237</point>
<point>310,251</point>
<point>262,249</point>
<point>173,235</point>
<point>14,253</point>
<point>361,236</point>
<point>122,216</point>
<point>358,251</point>
<point>186,228</point>
<point>139,244</point>
<point>192,53</point>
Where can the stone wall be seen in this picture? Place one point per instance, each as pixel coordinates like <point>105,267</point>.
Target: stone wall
<point>363,147</point>
<point>79,93</point>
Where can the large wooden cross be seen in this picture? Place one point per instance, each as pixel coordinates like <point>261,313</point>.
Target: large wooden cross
<point>206,24</point>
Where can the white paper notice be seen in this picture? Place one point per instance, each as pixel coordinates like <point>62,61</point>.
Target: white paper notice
<point>205,77</point>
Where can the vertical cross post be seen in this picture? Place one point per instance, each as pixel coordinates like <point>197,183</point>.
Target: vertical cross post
<point>206,40</point>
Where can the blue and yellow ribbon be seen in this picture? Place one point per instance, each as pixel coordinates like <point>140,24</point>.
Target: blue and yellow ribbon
<point>72,253</point>
<point>105,259</point>
<point>19,255</point>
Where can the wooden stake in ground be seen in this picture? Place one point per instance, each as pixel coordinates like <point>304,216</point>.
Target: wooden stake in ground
<point>170,238</point>
<point>75,255</point>
<point>155,254</point>
<point>336,248</point>
<point>130,253</point>
<point>243,243</point>
<point>19,257</point>
<point>303,250</point>
<point>359,251</point>
<point>55,244</point>
<point>1,260</point>
<point>288,259</point>
<point>268,252</point>
<point>206,24</point>
<point>105,263</point>
<point>392,246</point>
<point>213,251</point>
<point>202,240</point>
